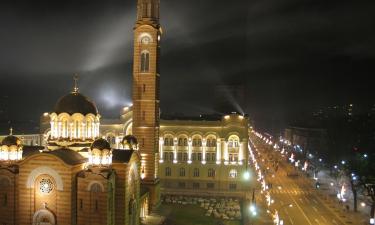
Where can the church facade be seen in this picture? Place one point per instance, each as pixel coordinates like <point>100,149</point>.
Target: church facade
<point>83,169</point>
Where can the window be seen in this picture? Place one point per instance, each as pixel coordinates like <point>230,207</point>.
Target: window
<point>185,157</point>
<point>208,156</point>
<point>233,157</point>
<point>193,156</point>
<point>199,142</point>
<point>233,173</point>
<point>166,142</point>
<point>81,203</point>
<point>211,172</point>
<point>213,156</point>
<point>96,205</point>
<point>144,88</point>
<point>181,184</point>
<point>145,61</point>
<point>182,172</point>
<point>165,156</point>
<point>185,141</point>
<point>170,156</point>
<point>143,115</point>
<point>168,172</point>
<point>199,156</point>
<point>179,156</point>
<point>96,188</point>
<point>5,200</point>
<point>195,185</point>
<point>232,187</point>
<point>210,185</point>
<point>45,186</point>
<point>196,172</point>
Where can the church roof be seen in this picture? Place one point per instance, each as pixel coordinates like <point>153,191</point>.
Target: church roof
<point>68,156</point>
<point>75,102</point>
<point>121,156</point>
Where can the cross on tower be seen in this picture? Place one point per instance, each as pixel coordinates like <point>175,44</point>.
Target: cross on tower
<point>11,131</point>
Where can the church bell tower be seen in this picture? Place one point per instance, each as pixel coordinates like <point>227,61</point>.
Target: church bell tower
<point>146,77</point>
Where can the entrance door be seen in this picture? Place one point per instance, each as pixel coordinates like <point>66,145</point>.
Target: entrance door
<point>44,217</point>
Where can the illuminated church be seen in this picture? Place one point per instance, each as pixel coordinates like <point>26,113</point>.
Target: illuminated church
<point>81,169</point>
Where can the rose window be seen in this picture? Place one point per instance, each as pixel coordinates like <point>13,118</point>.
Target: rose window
<point>45,186</point>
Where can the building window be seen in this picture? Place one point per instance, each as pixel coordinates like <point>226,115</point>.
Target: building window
<point>233,173</point>
<point>185,157</point>
<point>45,186</point>
<point>180,142</point>
<point>213,156</point>
<point>195,185</point>
<point>5,201</point>
<point>143,115</point>
<point>196,172</point>
<point>197,142</point>
<point>232,187</point>
<point>81,203</point>
<point>193,156</point>
<point>211,172</point>
<point>185,142</point>
<point>145,61</point>
<point>210,185</point>
<point>170,156</point>
<point>208,156</point>
<point>182,172</point>
<point>199,156</point>
<point>179,156</point>
<point>233,157</point>
<point>96,205</point>
<point>168,172</point>
<point>144,88</point>
<point>181,184</point>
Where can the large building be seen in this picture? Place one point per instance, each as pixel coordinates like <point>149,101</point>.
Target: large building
<point>83,169</point>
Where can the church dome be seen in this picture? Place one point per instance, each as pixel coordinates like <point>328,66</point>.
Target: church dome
<point>130,142</point>
<point>75,102</point>
<point>100,144</point>
<point>11,140</point>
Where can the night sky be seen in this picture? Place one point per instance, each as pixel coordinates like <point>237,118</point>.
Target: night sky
<point>291,55</point>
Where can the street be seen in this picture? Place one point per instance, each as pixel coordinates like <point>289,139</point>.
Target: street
<point>295,197</point>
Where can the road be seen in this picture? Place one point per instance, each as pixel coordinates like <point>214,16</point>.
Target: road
<point>308,205</point>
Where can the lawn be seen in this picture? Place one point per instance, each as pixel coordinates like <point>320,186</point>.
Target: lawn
<point>190,215</point>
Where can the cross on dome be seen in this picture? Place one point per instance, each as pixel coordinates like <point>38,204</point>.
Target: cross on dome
<point>75,88</point>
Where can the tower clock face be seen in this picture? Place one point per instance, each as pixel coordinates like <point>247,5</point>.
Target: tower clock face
<point>145,40</point>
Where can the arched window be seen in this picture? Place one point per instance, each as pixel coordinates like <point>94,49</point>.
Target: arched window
<point>182,172</point>
<point>196,172</point>
<point>166,143</point>
<point>233,173</point>
<point>168,172</point>
<point>145,61</point>
<point>185,141</point>
<point>95,187</point>
<point>211,172</point>
<point>180,142</point>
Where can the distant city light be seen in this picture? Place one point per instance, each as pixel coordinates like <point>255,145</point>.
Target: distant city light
<point>320,160</point>
<point>343,162</point>
<point>365,155</point>
<point>335,166</point>
<point>363,204</point>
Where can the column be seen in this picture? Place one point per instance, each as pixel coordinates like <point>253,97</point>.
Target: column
<point>189,150</point>
<point>175,142</point>
<point>240,154</point>
<point>204,142</point>
<point>84,133</point>
<point>52,129</point>
<point>161,144</point>
<point>59,129</point>
<point>218,151</point>
<point>71,130</point>
<point>226,155</point>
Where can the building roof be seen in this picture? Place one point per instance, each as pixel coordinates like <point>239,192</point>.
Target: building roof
<point>75,102</point>
<point>121,156</point>
<point>68,156</point>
